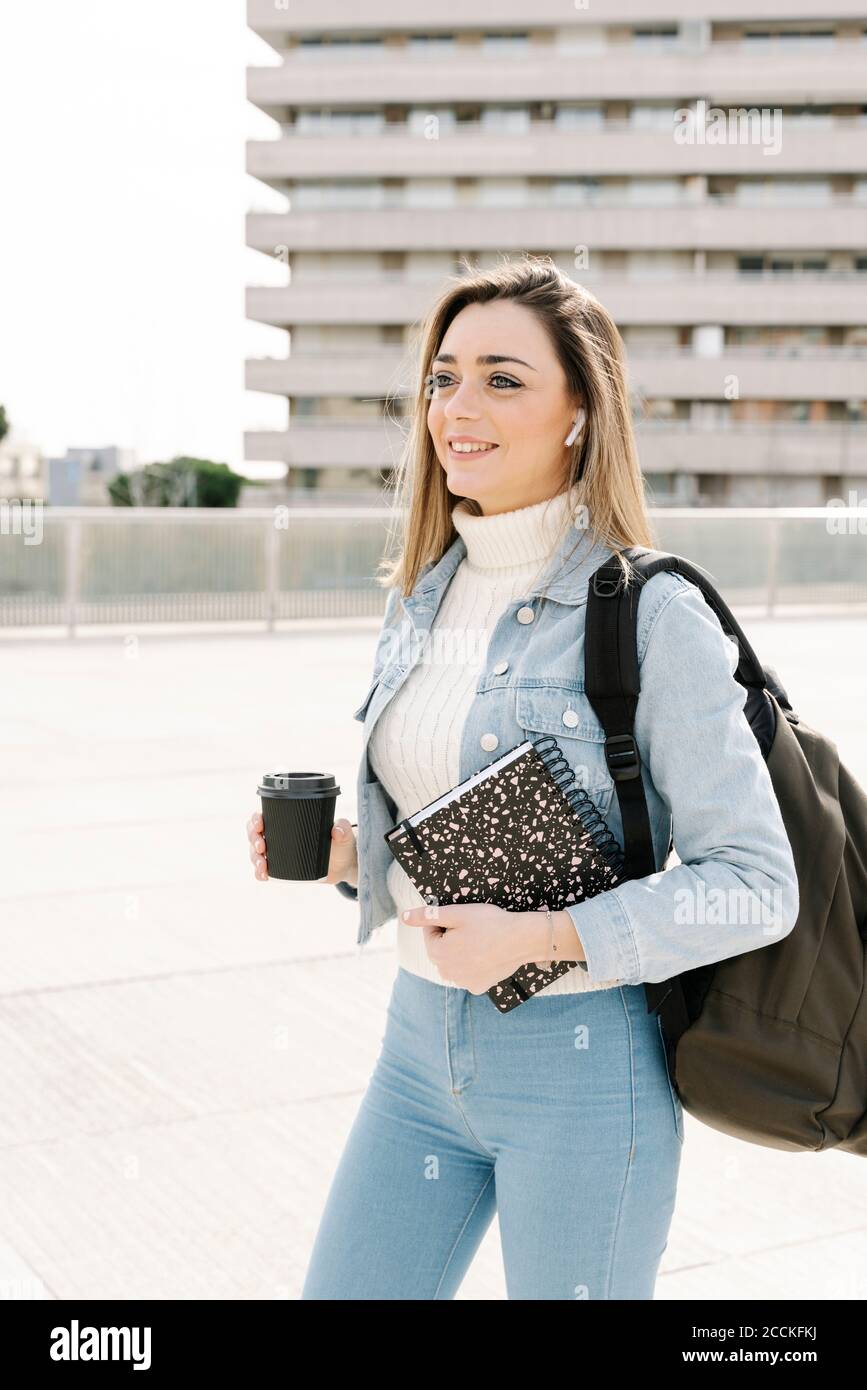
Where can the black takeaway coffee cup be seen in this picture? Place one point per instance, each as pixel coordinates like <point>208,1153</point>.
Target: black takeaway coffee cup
<point>298,811</point>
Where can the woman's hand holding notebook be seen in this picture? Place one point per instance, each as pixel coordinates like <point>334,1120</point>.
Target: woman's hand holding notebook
<point>517,835</point>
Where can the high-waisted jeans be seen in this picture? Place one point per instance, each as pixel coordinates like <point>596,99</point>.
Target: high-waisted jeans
<point>558,1115</point>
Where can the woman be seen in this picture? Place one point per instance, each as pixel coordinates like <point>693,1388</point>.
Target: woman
<point>520,479</point>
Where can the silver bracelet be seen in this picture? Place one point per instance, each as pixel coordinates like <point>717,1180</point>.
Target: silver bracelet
<point>541,964</point>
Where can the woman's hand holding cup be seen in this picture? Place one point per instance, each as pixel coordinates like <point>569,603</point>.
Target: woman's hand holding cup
<point>342,859</point>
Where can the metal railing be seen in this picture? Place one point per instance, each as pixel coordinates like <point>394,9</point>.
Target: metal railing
<point>518,127</point>
<point>817,351</point>
<point>693,278</point>
<point>396,200</point>
<point>142,565</point>
<point>676,44</point>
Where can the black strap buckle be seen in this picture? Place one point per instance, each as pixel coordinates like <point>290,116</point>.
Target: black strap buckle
<point>606,585</point>
<point>623,761</point>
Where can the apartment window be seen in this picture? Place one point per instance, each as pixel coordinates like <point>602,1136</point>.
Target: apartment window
<point>578,117</point>
<point>832,487</point>
<point>661,487</point>
<point>787,265</point>
<point>713,488</point>
<point>763,38</point>
<point>430,193</point>
<point>505,120</point>
<point>338,122</point>
<point>750,265</point>
<point>783,192</point>
<point>505,45</point>
<point>653,191</point>
<point>652,117</point>
<point>432,45</point>
<point>812,115</point>
<point>823,37</point>
<point>655,35</point>
<point>418,119</point>
<point>565,192</point>
<point>361,193</point>
<point>502,193</point>
<point>661,409</point>
<point>334,46</point>
<point>588,38</point>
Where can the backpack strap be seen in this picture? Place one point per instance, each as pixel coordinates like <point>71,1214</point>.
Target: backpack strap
<point>612,684</point>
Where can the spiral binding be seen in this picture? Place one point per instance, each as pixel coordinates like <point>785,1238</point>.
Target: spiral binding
<point>583,805</point>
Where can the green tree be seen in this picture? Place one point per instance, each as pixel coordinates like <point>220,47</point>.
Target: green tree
<point>182,482</point>
<point>4,423</point>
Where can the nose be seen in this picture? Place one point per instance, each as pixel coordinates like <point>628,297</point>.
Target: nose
<point>461,403</point>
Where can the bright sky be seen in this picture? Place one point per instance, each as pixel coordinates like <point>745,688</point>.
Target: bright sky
<point>122,202</point>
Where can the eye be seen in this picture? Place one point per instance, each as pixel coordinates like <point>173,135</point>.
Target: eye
<point>509,385</point>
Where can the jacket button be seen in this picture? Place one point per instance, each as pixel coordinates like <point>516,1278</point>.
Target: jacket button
<point>501,668</point>
<point>489,742</point>
<point>525,615</point>
<point>570,718</point>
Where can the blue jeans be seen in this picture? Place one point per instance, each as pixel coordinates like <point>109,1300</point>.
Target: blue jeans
<point>558,1115</point>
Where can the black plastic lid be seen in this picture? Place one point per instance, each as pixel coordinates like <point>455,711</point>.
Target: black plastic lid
<point>298,786</point>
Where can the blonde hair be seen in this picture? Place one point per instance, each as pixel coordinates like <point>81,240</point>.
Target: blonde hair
<point>603,465</point>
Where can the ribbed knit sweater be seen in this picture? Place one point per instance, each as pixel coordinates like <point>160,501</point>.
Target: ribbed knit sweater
<point>415,746</point>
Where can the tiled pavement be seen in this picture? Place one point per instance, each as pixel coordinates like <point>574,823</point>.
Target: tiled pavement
<point>185,1048</point>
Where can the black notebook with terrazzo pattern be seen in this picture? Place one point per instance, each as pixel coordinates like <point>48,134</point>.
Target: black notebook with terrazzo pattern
<point>519,835</point>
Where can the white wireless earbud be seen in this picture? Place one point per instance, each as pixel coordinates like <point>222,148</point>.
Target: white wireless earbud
<point>573,433</point>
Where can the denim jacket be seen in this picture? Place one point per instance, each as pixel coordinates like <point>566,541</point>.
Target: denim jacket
<point>734,887</point>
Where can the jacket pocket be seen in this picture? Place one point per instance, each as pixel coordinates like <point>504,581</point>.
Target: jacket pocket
<point>565,712</point>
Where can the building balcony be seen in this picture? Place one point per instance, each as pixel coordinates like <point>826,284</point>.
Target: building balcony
<point>713,223</point>
<point>711,297</point>
<point>740,449</point>
<point>613,149</point>
<point>336,16</point>
<point>328,443</point>
<point>376,371</point>
<point>725,74</point>
<point>380,371</point>
<point>804,450</point>
<point>764,374</point>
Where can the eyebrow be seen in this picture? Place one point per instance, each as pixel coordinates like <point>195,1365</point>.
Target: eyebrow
<point>488,361</point>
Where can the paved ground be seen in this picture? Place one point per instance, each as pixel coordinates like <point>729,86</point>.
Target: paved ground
<point>185,1048</point>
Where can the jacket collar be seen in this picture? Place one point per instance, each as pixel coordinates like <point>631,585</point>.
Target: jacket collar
<point>567,581</point>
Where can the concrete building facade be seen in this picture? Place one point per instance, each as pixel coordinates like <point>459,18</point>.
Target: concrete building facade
<point>702,170</point>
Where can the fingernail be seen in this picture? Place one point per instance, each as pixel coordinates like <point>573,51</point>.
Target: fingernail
<point>338,830</point>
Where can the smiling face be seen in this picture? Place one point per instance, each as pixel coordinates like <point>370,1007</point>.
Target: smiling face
<point>498,387</point>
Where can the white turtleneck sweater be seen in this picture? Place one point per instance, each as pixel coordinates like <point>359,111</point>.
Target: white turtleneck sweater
<point>415,746</point>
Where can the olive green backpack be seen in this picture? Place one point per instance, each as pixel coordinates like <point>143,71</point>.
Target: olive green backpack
<point>769,1046</point>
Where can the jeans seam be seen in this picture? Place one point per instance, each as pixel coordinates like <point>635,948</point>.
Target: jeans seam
<point>629,1160</point>
<point>454,1094</point>
<point>457,1239</point>
<point>473,1136</point>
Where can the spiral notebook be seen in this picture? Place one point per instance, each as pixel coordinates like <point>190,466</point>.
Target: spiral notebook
<point>518,835</point>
